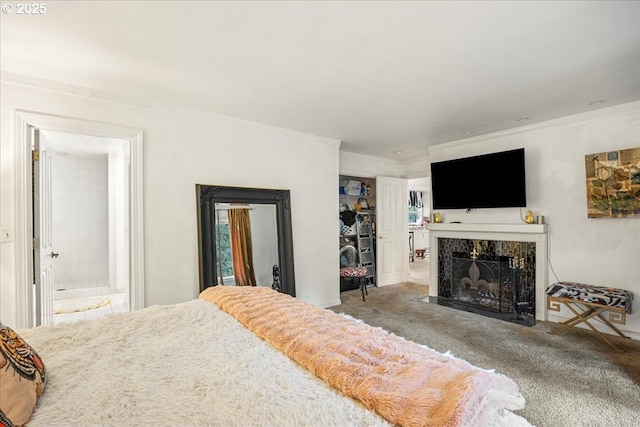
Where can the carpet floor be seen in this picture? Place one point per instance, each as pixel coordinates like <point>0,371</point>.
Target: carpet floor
<point>568,380</point>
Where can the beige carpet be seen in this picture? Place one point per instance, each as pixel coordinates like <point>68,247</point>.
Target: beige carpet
<point>572,379</point>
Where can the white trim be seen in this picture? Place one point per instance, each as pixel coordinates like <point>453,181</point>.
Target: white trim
<point>136,207</point>
<point>328,304</point>
<point>25,121</point>
<point>489,228</point>
<point>25,316</point>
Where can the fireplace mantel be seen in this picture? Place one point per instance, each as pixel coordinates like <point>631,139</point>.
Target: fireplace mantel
<point>489,228</point>
<point>507,232</point>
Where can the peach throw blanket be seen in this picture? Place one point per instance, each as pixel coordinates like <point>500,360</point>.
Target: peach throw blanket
<point>406,383</point>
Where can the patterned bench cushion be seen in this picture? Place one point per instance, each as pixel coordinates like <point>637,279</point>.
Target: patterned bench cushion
<point>353,271</point>
<point>601,295</point>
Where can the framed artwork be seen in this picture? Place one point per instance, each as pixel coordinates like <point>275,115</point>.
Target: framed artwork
<point>613,184</point>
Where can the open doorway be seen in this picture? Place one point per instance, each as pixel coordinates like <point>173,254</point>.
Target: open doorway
<point>89,225</point>
<point>419,218</point>
<point>35,249</point>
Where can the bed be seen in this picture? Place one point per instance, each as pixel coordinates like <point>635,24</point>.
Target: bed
<point>243,356</point>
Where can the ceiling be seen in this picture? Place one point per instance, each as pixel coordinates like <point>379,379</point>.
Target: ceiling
<point>382,77</point>
<point>64,144</point>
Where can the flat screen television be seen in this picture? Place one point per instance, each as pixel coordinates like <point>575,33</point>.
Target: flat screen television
<point>495,180</point>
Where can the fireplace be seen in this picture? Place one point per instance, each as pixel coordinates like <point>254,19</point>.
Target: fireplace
<point>493,285</point>
<point>483,282</point>
<point>490,269</point>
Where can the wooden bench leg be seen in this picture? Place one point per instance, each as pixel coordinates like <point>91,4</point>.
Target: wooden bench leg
<point>583,317</point>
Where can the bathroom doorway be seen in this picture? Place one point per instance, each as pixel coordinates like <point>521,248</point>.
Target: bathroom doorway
<point>89,185</point>
<point>34,303</point>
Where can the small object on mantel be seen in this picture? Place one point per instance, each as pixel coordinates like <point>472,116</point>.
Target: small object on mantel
<point>529,218</point>
<point>437,217</point>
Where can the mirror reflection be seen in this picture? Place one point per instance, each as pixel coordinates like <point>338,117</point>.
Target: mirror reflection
<point>247,244</point>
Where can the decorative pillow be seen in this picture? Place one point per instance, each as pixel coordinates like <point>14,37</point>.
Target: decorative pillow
<point>22,378</point>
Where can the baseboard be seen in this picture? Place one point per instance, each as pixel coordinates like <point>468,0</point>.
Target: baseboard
<point>330,304</point>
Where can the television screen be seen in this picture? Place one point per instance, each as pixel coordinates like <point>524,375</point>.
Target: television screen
<point>495,180</point>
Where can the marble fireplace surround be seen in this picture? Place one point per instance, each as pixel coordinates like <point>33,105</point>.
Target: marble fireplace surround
<point>500,232</point>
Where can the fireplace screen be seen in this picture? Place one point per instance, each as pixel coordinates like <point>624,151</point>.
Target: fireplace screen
<point>495,278</point>
<point>486,283</point>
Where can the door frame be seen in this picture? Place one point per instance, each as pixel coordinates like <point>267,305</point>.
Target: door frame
<point>24,123</point>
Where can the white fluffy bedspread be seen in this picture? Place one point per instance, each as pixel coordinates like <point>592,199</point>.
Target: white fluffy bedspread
<point>188,364</point>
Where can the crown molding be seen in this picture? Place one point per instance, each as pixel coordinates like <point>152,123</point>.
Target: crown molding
<point>574,118</point>
<point>106,96</point>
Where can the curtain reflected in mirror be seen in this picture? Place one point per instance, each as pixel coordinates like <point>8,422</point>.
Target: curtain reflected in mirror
<point>247,244</point>
<point>245,238</point>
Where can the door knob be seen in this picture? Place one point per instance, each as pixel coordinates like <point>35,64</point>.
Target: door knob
<point>54,255</point>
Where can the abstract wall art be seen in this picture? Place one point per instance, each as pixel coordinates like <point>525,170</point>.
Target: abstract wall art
<point>613,184</point>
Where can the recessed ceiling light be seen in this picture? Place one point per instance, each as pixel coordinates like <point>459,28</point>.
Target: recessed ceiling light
<point>397,153</point>
<point>469,132</point>
<point>600,101</point>
<point>523,119</point>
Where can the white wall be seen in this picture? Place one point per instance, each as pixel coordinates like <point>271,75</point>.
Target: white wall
<point>416,170</point>
<point>361,165</point>
<point>364,166</point>
<point>181,149</point>
<point>593,251</point>
<point>421,238</point>
<point>420,184</point>
<point>119,268</point>
<point>80,220</point>
<point>264,239</point>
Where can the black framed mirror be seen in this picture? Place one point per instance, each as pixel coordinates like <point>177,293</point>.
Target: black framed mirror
<point>210,198</point>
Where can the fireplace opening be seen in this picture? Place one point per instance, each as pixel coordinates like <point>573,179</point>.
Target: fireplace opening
<point>491,278</point>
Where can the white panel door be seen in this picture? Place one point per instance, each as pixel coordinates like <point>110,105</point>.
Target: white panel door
<point>43,254</point>
<point>392,230</point>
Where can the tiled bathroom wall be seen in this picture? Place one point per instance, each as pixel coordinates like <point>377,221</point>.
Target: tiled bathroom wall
<point>80,224</point>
